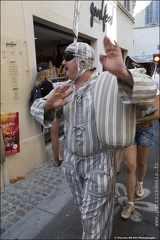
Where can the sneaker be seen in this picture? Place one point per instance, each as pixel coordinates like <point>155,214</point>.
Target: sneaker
<point>139,190</point>
<point>128,209</point>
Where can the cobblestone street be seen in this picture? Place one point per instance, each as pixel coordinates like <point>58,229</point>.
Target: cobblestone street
<point>18,198</point>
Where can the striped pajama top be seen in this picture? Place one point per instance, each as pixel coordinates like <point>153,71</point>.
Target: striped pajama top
<point>80,125</point>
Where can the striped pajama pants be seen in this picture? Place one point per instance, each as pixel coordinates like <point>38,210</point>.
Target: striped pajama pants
<point>92,183</point>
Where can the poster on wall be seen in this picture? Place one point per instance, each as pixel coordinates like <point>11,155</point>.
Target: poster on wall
<point>9,123</point>
<point>14,68</point>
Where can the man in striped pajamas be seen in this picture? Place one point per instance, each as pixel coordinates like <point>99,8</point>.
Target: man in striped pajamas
<point>88,165</point>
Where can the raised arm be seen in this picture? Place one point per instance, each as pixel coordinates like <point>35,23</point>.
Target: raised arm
<point>57,97</point>
<point>114,61</point>
<point>43,109</point>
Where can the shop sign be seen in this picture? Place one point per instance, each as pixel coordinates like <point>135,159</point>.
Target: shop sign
<point>9,123</point>
<point>101,14</point>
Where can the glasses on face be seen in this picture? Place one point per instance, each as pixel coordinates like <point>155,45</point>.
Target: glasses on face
<point>68,56</point>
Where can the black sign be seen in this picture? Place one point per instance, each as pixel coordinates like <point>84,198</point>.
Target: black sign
<point>101,14</point>
<point>12,44</point>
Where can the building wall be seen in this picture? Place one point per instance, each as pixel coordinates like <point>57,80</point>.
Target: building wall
<point>146,42</point>
<point>18,30</point>
<point>124,30</point>
<point>146,37</point>
<point>16,74</point>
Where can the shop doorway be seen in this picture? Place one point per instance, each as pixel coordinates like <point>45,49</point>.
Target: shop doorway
<point>51,42</point>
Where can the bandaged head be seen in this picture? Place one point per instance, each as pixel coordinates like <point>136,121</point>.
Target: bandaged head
<point>84,56</point>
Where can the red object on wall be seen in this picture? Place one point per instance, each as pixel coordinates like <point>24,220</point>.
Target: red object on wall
<point>9,123</point>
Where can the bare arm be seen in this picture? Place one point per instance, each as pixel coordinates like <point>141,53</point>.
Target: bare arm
<point>155,115</point>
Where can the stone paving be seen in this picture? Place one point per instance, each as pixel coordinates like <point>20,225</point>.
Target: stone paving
<point>18,198</point>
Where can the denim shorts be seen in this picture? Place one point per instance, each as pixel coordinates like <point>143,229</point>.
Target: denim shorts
<point>145,136</point>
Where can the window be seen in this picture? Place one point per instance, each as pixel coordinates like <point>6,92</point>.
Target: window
<point>152,13</point>
<point>126,4</point>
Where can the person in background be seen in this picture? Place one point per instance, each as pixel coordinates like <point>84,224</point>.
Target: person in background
<point>157,79</point>
<point>43,73</point>
<point>89,166</point>
<point>54,133</point>
<point>136,155</point>
<point>156,76</point>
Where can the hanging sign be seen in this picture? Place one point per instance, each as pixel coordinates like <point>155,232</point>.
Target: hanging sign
<point>9,123</point>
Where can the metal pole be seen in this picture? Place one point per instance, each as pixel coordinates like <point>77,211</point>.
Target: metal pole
<point>76,19</point>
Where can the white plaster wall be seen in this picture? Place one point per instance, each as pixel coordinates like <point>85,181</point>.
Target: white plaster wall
<point>146,42</point>
<point>146,38</point>
<point>125,31</point>
<point>31,139</point>
<point>140,19</point>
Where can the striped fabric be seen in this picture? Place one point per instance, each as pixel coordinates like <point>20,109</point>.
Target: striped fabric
<point>80,126</point>
<point>92,183</point>
<point>90,168</point>
<point>143,92</point>
<point>37,111</point>
<point>115,107</point>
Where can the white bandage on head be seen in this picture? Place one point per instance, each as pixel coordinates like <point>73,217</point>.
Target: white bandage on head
<point>85,57</point>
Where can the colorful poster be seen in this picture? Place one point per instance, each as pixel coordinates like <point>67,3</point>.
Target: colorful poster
<point>9,123</point>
